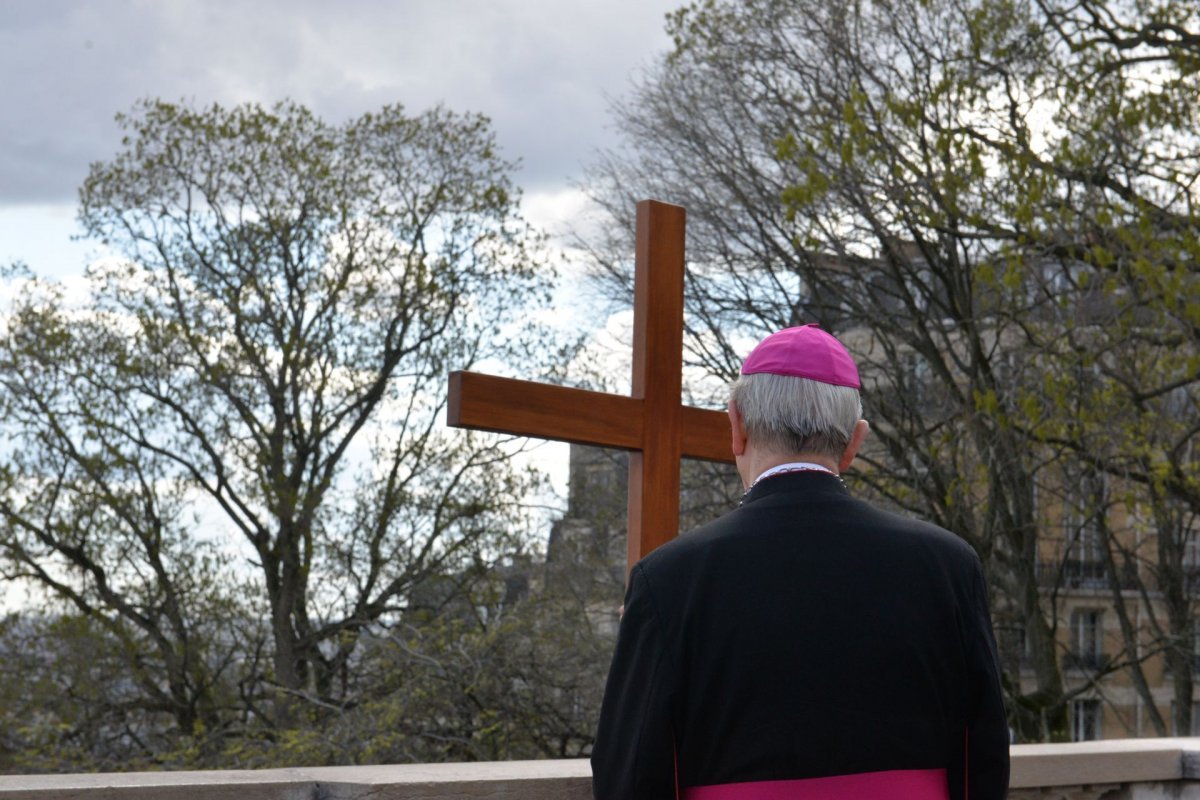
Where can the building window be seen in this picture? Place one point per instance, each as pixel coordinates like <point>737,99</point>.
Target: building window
<point>1013,645</point>
<point>1089,543</point>
<point>1195,648</point>
<point>1087,638</point>
<point>1084,507</point>
<point>1191,562</point>
<point>1085,720</point>
<point>1085,567</point>
<point>1195,720</point>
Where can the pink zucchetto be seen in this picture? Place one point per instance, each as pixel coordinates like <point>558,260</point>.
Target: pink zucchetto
<point>804,352</point>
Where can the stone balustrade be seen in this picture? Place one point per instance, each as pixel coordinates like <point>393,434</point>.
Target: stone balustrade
<point>1121,769</point>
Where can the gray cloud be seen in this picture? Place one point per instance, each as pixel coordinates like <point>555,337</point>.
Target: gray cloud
<point>539,68</point>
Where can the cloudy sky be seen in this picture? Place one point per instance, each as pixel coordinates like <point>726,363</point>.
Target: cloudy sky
<point>541,69</point>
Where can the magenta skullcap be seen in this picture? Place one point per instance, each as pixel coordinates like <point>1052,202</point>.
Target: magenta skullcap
<point>804,352</point>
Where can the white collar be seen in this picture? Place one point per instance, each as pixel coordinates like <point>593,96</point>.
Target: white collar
<point>793,466</point>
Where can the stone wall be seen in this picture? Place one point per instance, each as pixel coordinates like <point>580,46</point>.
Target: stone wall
<point>1110,791</point>
<point>1122,769</point>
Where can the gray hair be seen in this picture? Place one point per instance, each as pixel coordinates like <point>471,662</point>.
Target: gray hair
<point>796,415</point>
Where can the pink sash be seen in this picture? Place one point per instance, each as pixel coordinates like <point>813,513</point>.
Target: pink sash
<point>896,784</point>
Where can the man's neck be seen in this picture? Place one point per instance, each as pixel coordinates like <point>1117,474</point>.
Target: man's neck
<point>755,463</point>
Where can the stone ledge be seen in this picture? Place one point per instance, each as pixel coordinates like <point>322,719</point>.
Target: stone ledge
<point>503,780</point>
<point>1110,761</point>
<point>1114,762</point>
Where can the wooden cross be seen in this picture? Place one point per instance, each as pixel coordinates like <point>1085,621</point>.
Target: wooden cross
<point>652,424</point>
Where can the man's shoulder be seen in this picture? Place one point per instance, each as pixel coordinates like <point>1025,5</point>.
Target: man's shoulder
<point>885,529</point>
<point>695,543</point>
<point>914,534</point>
<point>931,534</point>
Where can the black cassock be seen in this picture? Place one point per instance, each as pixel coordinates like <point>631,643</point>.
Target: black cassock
<point>802,636</point>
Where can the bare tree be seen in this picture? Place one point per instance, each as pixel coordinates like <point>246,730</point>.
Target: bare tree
<point>884,169</point>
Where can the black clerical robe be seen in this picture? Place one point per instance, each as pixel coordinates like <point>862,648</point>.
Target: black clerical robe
<point>804,645</point>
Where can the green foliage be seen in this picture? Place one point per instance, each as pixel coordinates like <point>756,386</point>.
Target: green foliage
<point>227,460</point>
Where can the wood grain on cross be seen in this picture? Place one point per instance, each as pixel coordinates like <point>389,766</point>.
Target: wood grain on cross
<point>652,424</point>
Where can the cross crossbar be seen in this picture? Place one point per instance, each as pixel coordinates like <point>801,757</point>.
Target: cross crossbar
<point>545,411</point>
<point>652,424</point>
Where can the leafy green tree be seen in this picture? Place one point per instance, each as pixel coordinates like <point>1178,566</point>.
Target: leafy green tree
<point>992,202</point>
<point>240,420</point>
<point>1113,200</point>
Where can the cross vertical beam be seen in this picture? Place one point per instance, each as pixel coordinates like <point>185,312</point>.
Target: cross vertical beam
<point>657,376</point>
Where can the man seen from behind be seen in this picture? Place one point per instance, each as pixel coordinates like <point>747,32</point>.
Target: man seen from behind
<point>807,645</point>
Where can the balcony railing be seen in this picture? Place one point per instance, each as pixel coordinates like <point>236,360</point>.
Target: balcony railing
<point>1082,575</point>
<point>1147,769</point>
<point>1086,662</point>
